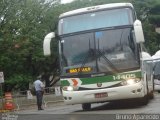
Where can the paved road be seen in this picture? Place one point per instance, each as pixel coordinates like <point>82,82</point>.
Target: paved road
<point>111,111</point>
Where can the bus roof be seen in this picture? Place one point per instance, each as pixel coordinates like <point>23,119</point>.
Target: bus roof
<point>94,8</point>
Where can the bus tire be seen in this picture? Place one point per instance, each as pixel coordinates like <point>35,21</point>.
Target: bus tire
<point>151,94</point>
<point>144,100</point>
<point>86,106</point>
<point>158,91</point>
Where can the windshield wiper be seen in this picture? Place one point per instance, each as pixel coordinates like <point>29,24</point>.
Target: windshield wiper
<point>107,60</point>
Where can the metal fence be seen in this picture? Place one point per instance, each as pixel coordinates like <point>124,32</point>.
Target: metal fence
<point>27,98</point>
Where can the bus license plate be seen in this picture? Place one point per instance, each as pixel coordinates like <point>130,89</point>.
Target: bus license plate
<point>101,95</point>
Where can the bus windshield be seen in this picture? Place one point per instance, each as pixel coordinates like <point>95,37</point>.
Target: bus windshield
<point>106,51</point>
<point>96,20</point>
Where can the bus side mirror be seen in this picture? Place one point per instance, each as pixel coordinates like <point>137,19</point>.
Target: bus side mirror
<point>46,43</point>
<point>138,31</point>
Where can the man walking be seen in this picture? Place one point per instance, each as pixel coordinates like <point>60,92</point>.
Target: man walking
<point>39,87</point>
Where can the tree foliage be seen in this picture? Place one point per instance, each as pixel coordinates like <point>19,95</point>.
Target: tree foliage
<point>24,24</point>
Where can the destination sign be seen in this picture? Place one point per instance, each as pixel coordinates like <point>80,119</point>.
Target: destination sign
<point>77,70</point>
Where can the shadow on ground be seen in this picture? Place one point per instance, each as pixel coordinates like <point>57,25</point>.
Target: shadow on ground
<point>124,104</point>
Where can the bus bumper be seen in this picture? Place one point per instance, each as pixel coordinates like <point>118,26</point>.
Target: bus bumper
<point>109,94</point>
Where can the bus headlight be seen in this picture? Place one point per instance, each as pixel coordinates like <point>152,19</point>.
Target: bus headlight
<point>70,88</point>
<point>130,81</point>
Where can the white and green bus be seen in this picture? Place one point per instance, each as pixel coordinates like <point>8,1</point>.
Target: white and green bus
<point>100,51</point>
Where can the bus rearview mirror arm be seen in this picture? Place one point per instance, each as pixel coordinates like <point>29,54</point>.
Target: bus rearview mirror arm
<point>46,43</point>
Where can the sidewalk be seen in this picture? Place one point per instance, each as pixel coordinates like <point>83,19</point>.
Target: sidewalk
<point>22,103</point>
<point>48,100</point>
<point>33,109</point>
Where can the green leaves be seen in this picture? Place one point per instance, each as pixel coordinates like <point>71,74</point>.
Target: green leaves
<point>18,81</point>
<point>22,30</point>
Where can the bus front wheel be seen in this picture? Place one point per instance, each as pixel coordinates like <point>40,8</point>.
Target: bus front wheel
<point>144,100</point>
<point>86,106</point>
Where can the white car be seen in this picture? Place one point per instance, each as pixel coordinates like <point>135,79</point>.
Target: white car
<point>157,85</point>
<point>156,69</point>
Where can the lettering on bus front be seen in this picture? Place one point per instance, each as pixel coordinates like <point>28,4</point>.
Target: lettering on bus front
<point>76,70</point>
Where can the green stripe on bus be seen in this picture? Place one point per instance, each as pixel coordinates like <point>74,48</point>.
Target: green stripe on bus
<point>102,79</point>
<point>65,83</point>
